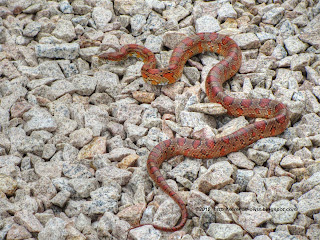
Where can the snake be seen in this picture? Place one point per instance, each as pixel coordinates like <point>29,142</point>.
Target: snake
<point>274,114</point>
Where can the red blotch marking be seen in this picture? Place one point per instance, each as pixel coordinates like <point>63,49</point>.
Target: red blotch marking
<point>153,154</point>
<point>158,147</point>
<point>188,41</point>
<point>178,50</point>
<point>232,45</point>
<point>264,102</point>
<point>181,141</point>
<point>212,78</point>
<point>225,40</point>
<point>181,202</point>
<point>243,132</point>
<point>225,63</point>
<point>226,139</point>
<point>153,71</point>
<point>201,35</point>
<point>174,59</point>
<point>281,118</point>
<point>172,193</point>
<point>147,66</point>
<point>134,46</point>
<point>279,107</point>
<point>217,70</point>
<point>246,103</point>
<point>200,47</point>
<point>145,50</point>
<point>196,143</point>
<point>172,66</point>
<point>165,187</point>
<point>167,142</point>
<point>234,56</point>
<point>227,100</point>
<point>213,36</point>
<point>260,125</point>
<point>216,90</point>
<point>160,179</point>
<point>152,170</point>
<point>115,56</point>
<point>273,131</point>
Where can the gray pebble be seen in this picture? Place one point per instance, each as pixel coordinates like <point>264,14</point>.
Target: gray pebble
<point>207,24</point>
<point>64,51</point>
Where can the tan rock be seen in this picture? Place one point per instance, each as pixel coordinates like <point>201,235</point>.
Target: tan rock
<point>95,147</point>
<point>128,161</point>
<point>143,97</point>
<point>7,184</point>
<point>132,214</point>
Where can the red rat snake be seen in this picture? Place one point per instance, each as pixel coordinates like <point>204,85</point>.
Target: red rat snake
<point>275,113</point>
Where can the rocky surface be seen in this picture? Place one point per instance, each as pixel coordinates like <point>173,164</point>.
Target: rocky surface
<point>75,132</point>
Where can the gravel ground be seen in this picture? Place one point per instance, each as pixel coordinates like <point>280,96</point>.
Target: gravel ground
<point>76,132</point>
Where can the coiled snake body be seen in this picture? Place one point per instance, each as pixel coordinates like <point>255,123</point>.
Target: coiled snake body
<point>276,113</point>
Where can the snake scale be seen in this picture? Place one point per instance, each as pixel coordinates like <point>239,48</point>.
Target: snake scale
<point>275,113</point>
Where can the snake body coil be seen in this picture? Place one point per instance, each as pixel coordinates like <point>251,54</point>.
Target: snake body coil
<point>276,113</point>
